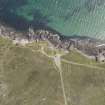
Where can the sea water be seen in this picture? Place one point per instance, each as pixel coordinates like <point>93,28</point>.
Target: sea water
<point>69,17</point>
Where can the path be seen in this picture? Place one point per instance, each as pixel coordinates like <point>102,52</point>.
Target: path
<point>85,65</point>
<point>57,60</point>
<point>85,55</point>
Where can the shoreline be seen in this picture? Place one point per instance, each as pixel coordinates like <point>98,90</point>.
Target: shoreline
<point>45,27</point>
<point>85,45</point>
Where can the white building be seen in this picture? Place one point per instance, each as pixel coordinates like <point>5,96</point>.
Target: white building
<point>101,57</point>
<point>22,42</point>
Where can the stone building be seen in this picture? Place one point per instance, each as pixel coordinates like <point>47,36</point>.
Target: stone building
<point>100,53</point>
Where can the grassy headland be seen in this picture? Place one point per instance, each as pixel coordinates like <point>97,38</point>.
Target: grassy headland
<point>28,77</point>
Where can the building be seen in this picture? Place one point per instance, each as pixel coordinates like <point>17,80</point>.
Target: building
<point>101,57</point>
<point>100,53</point>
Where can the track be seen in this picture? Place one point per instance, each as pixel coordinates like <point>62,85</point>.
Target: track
<point>85,65</point>
<point>57,60</point>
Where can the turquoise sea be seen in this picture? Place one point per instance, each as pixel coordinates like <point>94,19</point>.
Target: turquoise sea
<point>69,17</point>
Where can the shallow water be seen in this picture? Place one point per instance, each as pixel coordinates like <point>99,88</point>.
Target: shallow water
<point>69,17</point>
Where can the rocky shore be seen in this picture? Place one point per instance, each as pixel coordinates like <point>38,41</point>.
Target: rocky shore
<point>89,46</point>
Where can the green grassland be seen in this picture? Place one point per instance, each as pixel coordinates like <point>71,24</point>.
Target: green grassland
<point>84,86</point>
<point>28,77</point>
<point>75,56</point>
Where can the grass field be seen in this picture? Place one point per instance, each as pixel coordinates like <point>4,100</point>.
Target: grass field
<point>28,77</point>
<point>84,86</point>
<point>78,58</point>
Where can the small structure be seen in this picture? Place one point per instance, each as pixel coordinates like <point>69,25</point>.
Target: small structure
<point>19,41</point>
<point>100,53</point>
<point>101,57</point>
<point>31,33</point>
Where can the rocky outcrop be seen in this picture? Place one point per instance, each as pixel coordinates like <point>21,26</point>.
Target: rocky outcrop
<point>86,45</point>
